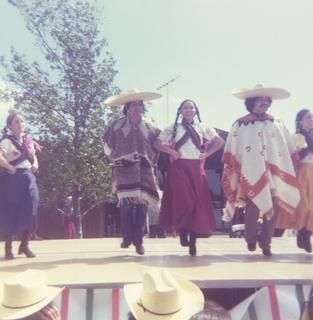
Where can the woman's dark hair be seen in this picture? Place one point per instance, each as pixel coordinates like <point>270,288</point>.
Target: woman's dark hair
<point>299,117</point>
<point>125,109</point>
<point>178,114</point>
<point>12,114</point>
<point>126,106</point>
<point>211,310</point>
<point>250,103</point>
<point>307,135</point>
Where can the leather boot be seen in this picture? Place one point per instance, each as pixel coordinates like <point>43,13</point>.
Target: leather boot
<point>304,239</point>
<point>192,244</point>
<point>267,252</point>
<point>183,237</point>
<point>140,249</point>
<point>23,248</point>
<point>300,240</point>
<point>8,255</point>
<point>307,240</point>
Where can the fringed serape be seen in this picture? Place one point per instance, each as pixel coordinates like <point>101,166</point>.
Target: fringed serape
<point>133,159</point>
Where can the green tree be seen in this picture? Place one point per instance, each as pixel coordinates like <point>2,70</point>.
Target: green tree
<point>62,98</point>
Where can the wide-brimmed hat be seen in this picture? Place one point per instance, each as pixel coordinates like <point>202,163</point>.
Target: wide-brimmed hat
<point>161,297</point>
<point>131,95</point>
<point>260,91</point>
<point>25,294</point>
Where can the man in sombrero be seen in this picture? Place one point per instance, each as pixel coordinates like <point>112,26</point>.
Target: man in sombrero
<point>259,160</point>
<point>128,143</point>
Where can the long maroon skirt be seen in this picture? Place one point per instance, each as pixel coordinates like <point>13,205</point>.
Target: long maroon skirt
<point>186,201</point>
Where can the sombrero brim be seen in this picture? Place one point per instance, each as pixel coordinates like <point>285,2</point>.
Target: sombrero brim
<point>273,93</point>
<point>124,98</point>
<point>7,313</point>
<point>192,296</point>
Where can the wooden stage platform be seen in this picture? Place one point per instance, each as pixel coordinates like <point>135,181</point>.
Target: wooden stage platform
<point>222,262</point>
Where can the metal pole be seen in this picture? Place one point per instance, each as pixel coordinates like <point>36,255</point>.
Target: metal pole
<point>167,108</point>
<point>166,85</point>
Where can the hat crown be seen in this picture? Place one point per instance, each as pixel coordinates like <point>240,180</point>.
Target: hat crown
<point>160,293</point>
<point>25,289</point>
<point>160,296</point>
<point>134,90</point>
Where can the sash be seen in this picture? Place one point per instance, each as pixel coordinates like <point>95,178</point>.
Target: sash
<point>25,152</point>
<point>190,133</point>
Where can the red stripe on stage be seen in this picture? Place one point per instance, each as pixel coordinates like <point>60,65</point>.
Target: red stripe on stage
<point>64,304</point>
<point>115,304</point>
<point>274,302</point>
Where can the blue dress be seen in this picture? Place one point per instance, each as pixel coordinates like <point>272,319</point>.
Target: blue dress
<point>19,200</point>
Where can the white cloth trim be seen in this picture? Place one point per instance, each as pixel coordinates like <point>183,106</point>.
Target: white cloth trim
<point>7,147</point>
<point>107,150</point>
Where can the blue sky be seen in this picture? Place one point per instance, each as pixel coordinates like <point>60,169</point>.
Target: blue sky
<point>213,45</point>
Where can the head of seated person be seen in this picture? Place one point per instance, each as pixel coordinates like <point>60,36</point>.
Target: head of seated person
<point>211,311</point>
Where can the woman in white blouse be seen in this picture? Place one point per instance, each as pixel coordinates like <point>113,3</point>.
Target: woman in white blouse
<point>186,204</point>
<point>18,187</point>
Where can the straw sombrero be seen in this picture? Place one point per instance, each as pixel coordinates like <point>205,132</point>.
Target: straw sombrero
<point>161,297</point>
<point>260,91</point>
<point>131,95</point>
<point>25,294</point>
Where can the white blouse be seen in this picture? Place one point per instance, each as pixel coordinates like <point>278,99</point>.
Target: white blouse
<point>188,150</point>
<point>9,152</point>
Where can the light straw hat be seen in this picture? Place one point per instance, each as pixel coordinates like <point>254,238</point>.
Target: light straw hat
<point>161,297</point>
<point>131,95</point>
<point>260,91</point>
<point>25,294</point>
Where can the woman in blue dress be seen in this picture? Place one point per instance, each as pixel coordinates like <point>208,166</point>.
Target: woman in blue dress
<point>18,188</point>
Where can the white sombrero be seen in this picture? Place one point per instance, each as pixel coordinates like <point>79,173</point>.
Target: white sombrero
<point>161,297</point>
<point>25,294</point>
<point>131,95</point>
<point>260,91</point>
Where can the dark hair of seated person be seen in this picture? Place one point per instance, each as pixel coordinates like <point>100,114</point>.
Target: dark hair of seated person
<point>130,316</point>
<point>211,311</point>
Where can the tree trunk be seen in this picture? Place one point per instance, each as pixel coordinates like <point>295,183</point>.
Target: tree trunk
<point>78,219</point>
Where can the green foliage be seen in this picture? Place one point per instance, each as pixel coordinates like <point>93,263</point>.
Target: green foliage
<point>62,98</point>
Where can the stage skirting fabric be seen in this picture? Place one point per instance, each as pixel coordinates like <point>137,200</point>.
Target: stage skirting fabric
<point>270,303</point>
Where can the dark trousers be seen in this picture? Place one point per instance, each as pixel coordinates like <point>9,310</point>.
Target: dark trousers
<point>251,225</point>
<point>133,218</point>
